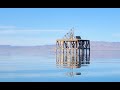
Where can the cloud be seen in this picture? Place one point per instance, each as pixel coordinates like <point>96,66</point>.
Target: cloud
<point>7,27</point>
<point>7,32</point>
<point>27,31</point>
<point>116,34</point>
<point>14,28</point>
<point>25,36</point>
<point>36,30</point>
<point>33,32</point>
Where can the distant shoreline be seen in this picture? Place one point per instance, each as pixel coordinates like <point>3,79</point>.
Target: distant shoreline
<point>94,45</point>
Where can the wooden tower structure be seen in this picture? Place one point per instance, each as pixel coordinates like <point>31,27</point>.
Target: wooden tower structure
<point>72,49</point>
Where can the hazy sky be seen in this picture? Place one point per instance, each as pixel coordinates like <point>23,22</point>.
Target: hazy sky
<point>40,26</point>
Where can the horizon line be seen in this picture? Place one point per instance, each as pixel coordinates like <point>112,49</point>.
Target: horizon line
<point>54,44</point>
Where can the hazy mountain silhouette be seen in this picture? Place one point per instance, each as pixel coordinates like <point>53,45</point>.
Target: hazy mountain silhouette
<point>111,50</point>
<point>95,45</point>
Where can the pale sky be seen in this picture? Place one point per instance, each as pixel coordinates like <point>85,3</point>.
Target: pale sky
<point>41,26</point>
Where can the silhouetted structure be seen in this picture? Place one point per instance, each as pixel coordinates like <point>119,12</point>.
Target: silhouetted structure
<point>72,51</point>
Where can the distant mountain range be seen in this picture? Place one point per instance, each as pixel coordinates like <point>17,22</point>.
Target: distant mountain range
<point>99,45</point>
<point>111,49</point>
<point>94,45</point>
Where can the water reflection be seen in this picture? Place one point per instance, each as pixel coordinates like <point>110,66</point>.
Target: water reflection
<point>72,73</point>
<point>72,60</point>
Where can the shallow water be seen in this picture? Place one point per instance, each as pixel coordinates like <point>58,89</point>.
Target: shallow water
<point>104,67</point>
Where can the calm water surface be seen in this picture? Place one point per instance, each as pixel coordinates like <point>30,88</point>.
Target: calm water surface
<point>104,66</point>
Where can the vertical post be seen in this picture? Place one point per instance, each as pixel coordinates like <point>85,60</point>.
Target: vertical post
<point>86,46</point>
<point>89,48</point>
<point>86,49</point>
<point>76,51</point>
<point>73,51</point>
<point>63,50</point>
<point>82,50</point>
<point>79,52</point>
<point>56,51</point>
<point>66,51</point>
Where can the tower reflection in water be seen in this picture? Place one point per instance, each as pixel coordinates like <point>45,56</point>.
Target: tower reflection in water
<point>72,59</point>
